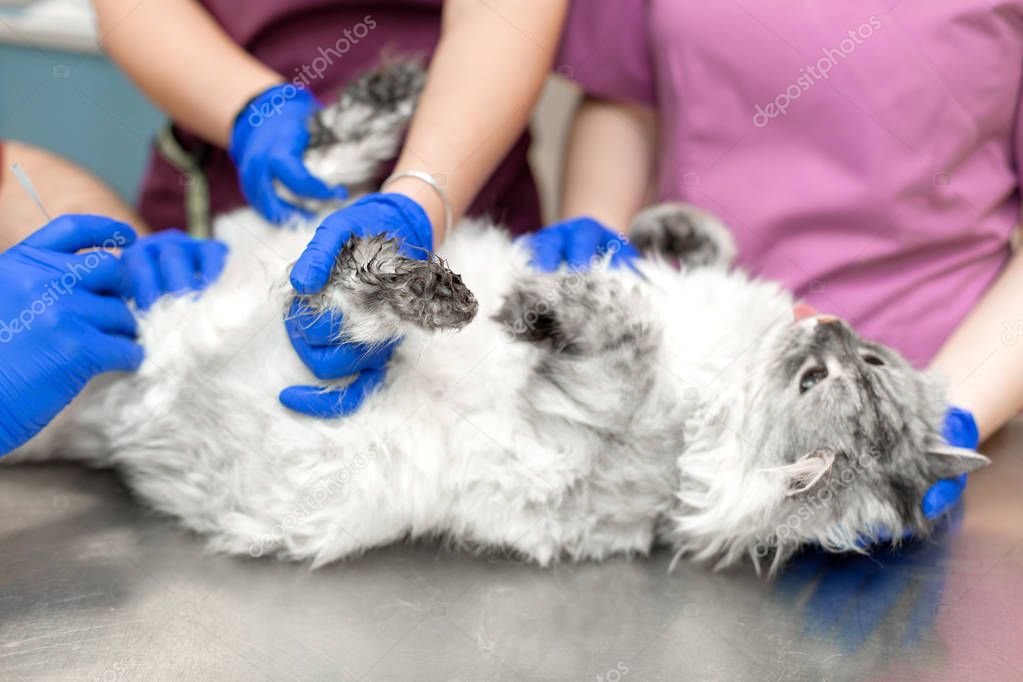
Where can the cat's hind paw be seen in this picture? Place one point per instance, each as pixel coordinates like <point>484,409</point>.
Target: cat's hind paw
<point>351,138</point>
<point>378,103</point>
<point>382,293</point>
<point>683,232</point>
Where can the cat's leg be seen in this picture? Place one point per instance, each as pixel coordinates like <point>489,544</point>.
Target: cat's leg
<point>232,464</point>
<point>602,408</point>
<point>685,233</point>
<point>382,293</point>
<point>349,139</point>
<point>380,101</point>
<point>601,341</point>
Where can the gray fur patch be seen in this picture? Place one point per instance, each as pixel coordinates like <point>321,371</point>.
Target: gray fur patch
<point>600,335</point>
<point>683,232</point>
<point>372,276</point>
<point>370,105</point>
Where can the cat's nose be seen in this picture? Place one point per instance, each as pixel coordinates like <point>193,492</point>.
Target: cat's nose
<point>830,332</point>
<point>803,311</point>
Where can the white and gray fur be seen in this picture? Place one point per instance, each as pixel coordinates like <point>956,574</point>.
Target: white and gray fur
<point>573,415</point>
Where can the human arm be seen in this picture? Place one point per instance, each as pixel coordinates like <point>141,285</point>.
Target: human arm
<point>208,84</point>
<point>981,361</point>
<point>183,61</point>
<point>485,77</point>
<point>62,321</point>
<point>983,358</point>
<point>607,178</point>
<point>609,171</point>
<point>63,187</point>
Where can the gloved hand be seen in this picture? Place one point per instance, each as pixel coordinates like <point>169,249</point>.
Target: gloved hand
<point>311,335</point>
<point>268,140</point>
<point>61,322</point>
<point>169,262</point>
<point>577,242</point>
<point>960,429</point>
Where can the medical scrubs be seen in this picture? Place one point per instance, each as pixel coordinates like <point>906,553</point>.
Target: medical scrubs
<point>865,154</point>
<point>325,44</point>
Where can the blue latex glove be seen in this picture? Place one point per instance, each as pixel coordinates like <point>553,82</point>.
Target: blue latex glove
<point>576,242</point>
<point>169,262</point>
<point>312,335</point>
<point>61,321</point>
<point>267,142</point>
<point>960,429</point>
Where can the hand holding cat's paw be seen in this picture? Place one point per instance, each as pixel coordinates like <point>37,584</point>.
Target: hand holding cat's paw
<point>314,336</point>
<point>268,139</point>
<point>169,262</point>
<point>327,404</point>
<point>580,243</point>
<point>960,430</point>
<point>394,215</point>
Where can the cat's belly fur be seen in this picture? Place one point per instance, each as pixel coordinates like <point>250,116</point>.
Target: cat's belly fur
<point>442,448</point>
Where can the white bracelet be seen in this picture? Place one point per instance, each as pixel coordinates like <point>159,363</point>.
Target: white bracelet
<point>432,182</point>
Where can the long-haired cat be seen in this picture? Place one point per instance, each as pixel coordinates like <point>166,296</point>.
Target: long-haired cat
<point>573,414</point>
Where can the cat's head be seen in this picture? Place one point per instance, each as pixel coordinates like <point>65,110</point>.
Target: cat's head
<point>824,438</point>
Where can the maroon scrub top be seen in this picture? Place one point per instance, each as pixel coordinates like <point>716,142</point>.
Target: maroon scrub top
<point>339,40</point>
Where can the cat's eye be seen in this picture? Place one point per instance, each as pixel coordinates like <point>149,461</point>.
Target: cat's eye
<point>811,378</point>
<point>873,360</point>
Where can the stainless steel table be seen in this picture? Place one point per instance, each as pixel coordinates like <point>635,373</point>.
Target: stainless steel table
<point>95,587</point>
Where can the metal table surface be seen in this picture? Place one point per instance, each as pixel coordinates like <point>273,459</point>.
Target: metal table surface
<point>92,586</point>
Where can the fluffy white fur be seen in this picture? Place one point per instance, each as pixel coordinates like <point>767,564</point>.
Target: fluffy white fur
<point>658,405</point>
<point>443,448</point>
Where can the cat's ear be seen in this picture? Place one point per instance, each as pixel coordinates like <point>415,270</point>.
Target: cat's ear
<point>949,461</point>
<point>807,472</point>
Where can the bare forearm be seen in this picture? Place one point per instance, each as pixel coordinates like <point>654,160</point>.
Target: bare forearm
<point>183,61</point>
<point>63,187</point>
<point>485,78</point>
<point>983,359</point>
<point>609,163</point>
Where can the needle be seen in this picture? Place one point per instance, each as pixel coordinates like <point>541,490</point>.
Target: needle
<point>22,176</point>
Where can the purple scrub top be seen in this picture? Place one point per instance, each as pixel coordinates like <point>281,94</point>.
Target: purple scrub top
<point>866,154</point>
<point>334,42</point>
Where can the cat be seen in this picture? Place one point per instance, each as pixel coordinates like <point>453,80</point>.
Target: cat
<point>575,414</point>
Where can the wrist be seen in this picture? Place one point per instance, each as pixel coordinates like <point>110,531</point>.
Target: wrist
<point>268,102</point>
<point>412,215</point>
<point>427,199</point>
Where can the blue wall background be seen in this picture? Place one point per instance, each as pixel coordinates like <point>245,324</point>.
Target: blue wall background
<point>79,106</point>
